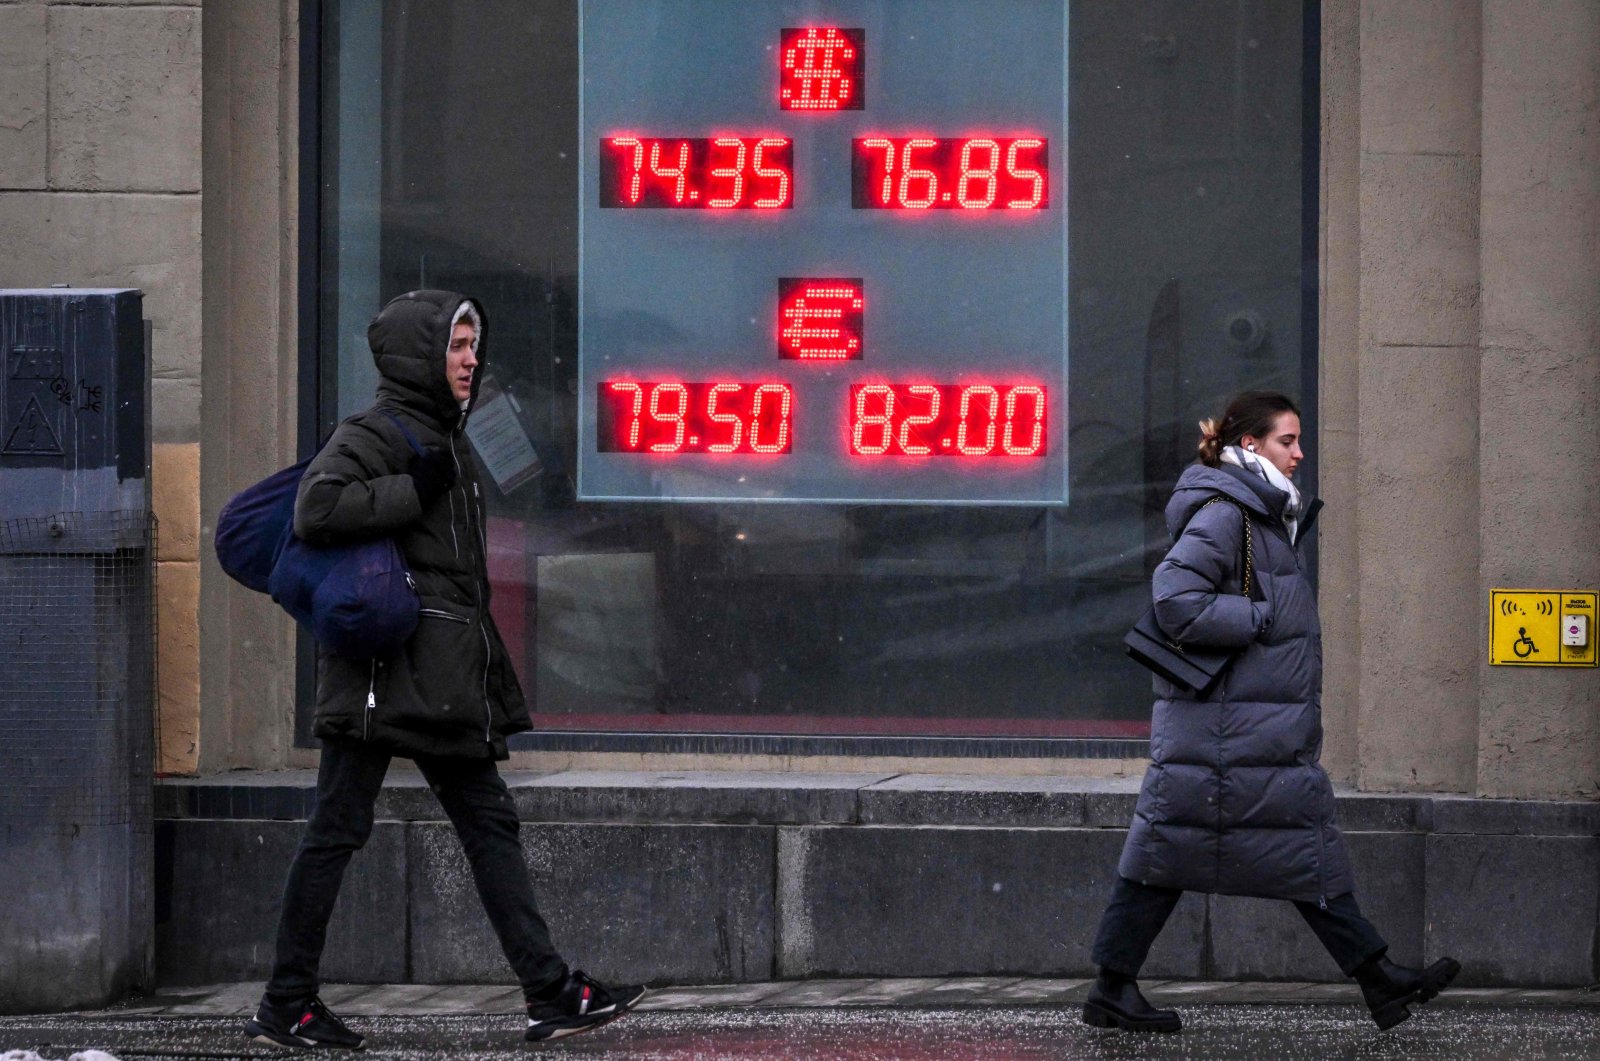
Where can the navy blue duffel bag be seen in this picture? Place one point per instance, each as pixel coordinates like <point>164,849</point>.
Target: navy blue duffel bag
<point>357,600</point>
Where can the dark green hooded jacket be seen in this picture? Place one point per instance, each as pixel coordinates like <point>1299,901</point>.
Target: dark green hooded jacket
<point>450,690</point>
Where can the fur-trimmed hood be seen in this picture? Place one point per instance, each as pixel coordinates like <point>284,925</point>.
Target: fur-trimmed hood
<point>410,339</point>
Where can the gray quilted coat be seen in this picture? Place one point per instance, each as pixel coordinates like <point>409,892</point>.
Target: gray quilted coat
<point>1235,800</point>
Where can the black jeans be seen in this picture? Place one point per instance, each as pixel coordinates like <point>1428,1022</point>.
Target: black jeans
<point>485,817</point>
<point>1137,912</point>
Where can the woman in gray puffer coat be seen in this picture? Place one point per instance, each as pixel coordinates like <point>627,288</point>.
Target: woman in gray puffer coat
<point>1235,801</point>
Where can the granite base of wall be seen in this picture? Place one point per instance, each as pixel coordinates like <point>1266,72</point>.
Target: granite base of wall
<point>956,877</point>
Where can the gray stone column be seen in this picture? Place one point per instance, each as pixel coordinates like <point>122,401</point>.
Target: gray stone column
<point>1416,522</point>
<point>247,422</point>
<point>1338,382</point>
<point>1539,729</point>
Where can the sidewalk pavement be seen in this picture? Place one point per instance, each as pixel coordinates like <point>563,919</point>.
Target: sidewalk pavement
<point>1004,1017</point>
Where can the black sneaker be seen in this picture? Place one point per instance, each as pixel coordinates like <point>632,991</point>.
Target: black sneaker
<point>302,1025</point>
<point>581,1004</point>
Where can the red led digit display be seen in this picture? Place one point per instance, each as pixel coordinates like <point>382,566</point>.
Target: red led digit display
<point>637,416</point>
<point>698,173</point>
<point>947,420</point>
<point>822,69</point>
<point>820,319</point>
<point>965,173</point>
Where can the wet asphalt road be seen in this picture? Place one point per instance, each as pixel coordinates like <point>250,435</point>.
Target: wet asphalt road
<point>1245,1032</point>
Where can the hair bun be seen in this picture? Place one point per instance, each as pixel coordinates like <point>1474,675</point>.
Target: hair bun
<point>1210,448</point>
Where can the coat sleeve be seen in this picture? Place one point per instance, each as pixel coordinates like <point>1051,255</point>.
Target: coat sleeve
<point>1190,604</point>
<point>353,489</point>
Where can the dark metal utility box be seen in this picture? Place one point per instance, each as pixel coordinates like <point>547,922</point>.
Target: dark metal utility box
<point>77,649</point>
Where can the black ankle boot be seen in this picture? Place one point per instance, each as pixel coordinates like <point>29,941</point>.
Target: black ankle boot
<point>1115,1002</point>
<point>1389,988</point>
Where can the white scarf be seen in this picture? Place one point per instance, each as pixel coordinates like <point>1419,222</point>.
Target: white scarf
<point>1252,462</point>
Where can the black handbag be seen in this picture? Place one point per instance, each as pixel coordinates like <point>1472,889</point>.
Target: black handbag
<point>1194,667</point>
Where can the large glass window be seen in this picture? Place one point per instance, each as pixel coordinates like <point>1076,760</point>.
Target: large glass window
<point>842,351</point>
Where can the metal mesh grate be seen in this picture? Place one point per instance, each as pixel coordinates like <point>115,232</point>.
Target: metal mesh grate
<point>77,669</point>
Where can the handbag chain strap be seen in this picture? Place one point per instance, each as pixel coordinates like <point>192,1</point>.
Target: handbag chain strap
<point>1249,540</point>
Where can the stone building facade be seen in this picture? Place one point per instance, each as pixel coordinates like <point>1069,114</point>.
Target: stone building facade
<point>157,145</point>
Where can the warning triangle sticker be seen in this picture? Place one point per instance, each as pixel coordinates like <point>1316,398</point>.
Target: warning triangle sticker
<point>33,433</point>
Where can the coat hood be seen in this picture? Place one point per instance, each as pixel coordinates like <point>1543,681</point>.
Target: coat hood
<point>1199,483</point>
<point>410,337</point>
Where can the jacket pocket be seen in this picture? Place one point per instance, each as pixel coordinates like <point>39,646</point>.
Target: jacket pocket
<point>445,662</point>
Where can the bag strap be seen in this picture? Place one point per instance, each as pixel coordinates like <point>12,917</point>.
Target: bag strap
<point>416,446</point>
<point>1249,558</point>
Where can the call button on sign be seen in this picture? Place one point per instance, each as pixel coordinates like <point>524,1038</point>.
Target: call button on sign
<point>1541,628</point>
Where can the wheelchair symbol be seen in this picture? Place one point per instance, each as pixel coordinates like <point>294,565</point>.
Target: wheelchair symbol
<point>1524,646</point>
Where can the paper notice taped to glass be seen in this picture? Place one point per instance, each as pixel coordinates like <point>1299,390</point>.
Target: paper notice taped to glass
<point>497,434</point>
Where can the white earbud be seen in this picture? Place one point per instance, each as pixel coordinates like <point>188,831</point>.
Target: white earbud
<point>1251,447</point>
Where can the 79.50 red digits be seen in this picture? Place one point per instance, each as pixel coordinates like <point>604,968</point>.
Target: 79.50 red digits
<point>904,420</point>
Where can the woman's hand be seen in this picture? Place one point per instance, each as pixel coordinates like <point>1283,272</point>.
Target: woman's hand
<point>1261,600</point>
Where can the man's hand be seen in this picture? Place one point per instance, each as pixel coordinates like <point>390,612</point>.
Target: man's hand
<point>433,471</point>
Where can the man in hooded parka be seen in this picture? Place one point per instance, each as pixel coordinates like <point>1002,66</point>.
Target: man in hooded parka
<point>447,699</point>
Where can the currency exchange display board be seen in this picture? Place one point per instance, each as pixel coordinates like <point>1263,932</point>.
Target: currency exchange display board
<point>823,251</point>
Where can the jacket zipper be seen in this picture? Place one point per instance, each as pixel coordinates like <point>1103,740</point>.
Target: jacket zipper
<point>455,544</point>
<point>477,586</point>
<point>372,701</point>
<point>1322,875</point>
<point>483,558</point>
<point>439,613</point>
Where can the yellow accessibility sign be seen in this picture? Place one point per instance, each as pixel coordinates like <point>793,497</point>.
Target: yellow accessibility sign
<point>1542,628</point>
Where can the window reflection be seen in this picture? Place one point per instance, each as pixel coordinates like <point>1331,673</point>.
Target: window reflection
<point>450,160</point>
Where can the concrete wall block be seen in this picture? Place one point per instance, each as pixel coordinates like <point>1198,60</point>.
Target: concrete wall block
<point>75,924</point>
<point>286,796</point>
<point>658,904</point>
<point>219,887</point>
<point>1263,939</point>
<point>1539,733</point>
<point>145,241</point>
<point>1421,62</point>
<point>1391,885</point>
<point>1463,814</point>
<point>23,93</point>
<point>178,666</point>
<point>1051,802</point>
<point>406,797</point>
<point>738,798</point>
<point>1514,909</point>
<point>1361,812</point>
<point>125,99</point>
<point>1419,254</point>
<point>175,410</point>
<point>175,496</point>
<point>909,901</point>
<point>1420,609</point>
<point>1112,810</point>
